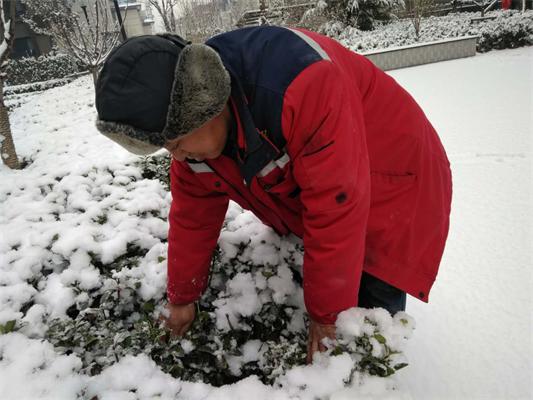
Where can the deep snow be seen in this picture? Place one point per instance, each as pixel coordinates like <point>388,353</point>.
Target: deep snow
<point>474,340</point>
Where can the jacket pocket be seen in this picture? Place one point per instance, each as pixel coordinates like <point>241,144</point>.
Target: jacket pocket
<point>392,207</point>
<point>312,152</point>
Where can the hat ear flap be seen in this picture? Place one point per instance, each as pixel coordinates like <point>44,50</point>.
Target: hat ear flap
<point>201,89</point>
<point>132,139</point>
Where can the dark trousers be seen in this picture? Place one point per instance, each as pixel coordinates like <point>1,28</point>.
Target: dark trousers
<point>373,292</point>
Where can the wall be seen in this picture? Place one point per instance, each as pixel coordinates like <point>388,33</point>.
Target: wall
<point>424,53</point>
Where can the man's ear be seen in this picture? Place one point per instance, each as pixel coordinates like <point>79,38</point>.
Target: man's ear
<point>201,89</point>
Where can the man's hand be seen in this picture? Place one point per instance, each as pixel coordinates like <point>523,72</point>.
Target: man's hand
<point>317,332</point>
<point>180,318</point>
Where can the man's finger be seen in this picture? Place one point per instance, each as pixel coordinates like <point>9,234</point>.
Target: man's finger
<point>313,349</point>
<point>309,358</point>
<point>172,328</point>
<point>309,352</point>
<point>183,330</point>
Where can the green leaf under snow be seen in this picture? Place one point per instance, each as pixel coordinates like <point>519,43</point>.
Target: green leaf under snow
<point>380,338</point>
<point>267,274</point>
<point>148,306</point>
<point>8,327</point>
<point>337,351</point>
<point>400,366</point>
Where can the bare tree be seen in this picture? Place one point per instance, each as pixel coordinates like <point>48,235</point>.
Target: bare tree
<point>314,17</point>
<point>236,10</point>
<point>418,9</point>
<point>7,35</point>
<point>166,9</point>
<point>84,29</point>
<point>200,19</point>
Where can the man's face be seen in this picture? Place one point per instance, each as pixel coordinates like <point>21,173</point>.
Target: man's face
<point>205,142</point>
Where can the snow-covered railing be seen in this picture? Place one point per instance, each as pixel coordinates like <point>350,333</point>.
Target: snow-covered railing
<point>423,53</point>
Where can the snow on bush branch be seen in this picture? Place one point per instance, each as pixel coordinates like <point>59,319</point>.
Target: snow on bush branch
<point>251,320</point>
<point>83,276</point>
<point>43,68</point>
<point>510,29</point>
<point>363,14</point>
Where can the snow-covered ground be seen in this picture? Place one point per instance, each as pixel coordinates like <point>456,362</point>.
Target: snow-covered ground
<point>475,338</point>
<point>473,341</point>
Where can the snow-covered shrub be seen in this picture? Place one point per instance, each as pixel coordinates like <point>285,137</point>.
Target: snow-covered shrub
<point>224,345</point>
<point>32,369</point>
<point>373,339</point>
<point>36,86</point>
<point>250,321</point>
<point>508,30</point>
<point>157,167</point>
<point>363,13</point>
<point>44,68</point>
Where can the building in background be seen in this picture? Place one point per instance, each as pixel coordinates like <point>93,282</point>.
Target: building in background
<point>137,16</point>
<point>27,43</point>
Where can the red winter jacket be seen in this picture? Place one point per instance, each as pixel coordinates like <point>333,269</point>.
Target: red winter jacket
<point>364,180</point>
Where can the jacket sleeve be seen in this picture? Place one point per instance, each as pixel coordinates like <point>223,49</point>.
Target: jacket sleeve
<point>323,123</point>
<point>196,217</point>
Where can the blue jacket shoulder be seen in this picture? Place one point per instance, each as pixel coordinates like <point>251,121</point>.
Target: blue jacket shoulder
<point>267,56</point>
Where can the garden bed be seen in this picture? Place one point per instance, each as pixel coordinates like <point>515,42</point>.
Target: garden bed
<point>509,29</point>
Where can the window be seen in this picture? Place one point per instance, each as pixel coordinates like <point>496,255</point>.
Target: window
<point>24,47</point>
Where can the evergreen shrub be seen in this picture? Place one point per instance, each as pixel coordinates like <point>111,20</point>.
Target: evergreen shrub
<point>43,68</point>
<point>508,31</point>
<point>250,321</point>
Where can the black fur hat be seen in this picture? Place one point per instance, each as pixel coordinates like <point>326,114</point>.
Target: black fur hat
<point>155,88</point>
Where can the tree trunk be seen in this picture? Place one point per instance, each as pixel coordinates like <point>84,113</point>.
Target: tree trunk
<point>7,147</point>
<point>94,73</point>
<point>172,21</point>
